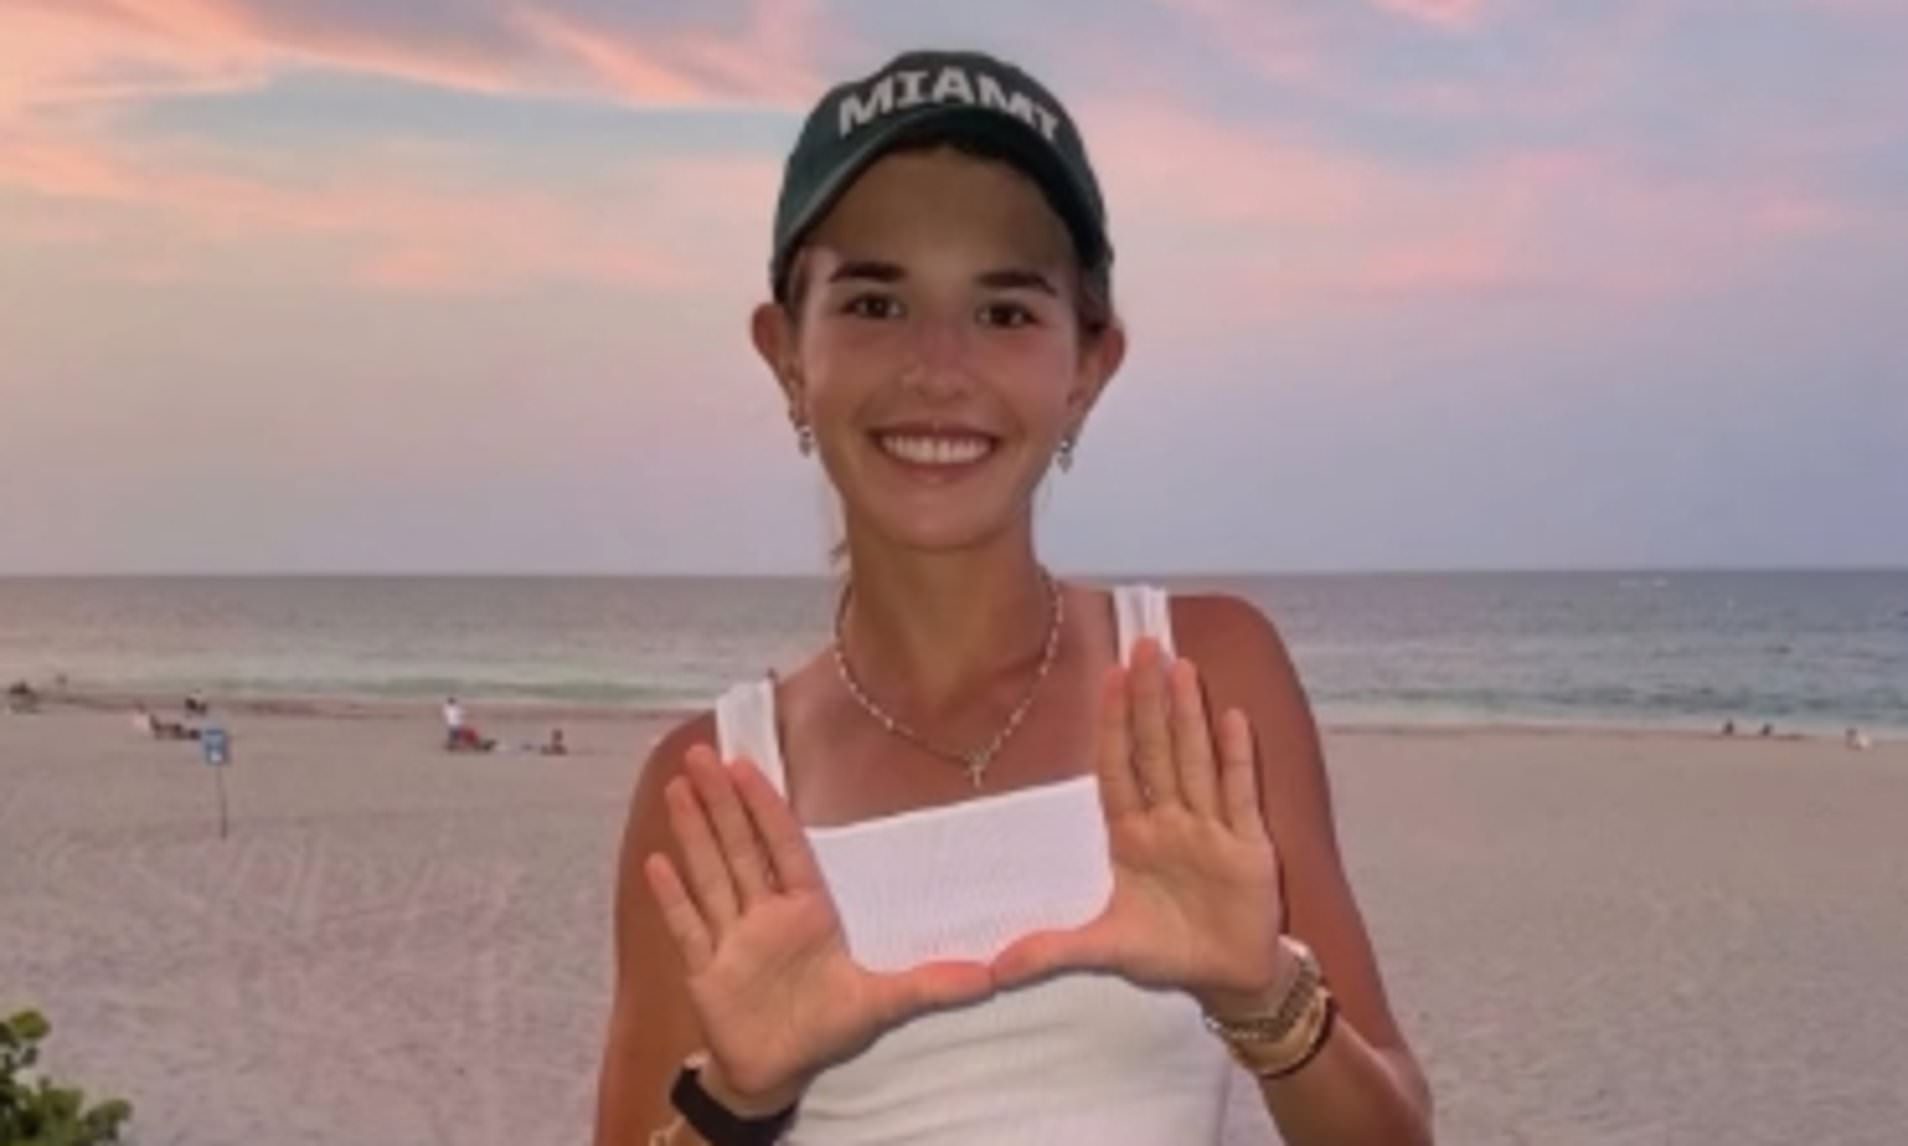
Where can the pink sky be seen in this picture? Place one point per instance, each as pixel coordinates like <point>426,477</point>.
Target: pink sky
<point>461,285</point>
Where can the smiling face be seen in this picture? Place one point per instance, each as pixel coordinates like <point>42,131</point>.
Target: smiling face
<point>935,345</point>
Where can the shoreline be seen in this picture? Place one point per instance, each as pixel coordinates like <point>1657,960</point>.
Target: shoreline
<point>519,710</point>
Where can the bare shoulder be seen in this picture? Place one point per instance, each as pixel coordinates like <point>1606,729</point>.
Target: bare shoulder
<point>665,760</point>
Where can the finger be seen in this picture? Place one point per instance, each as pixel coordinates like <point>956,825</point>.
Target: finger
<point>1037,955</point>
<point>1152,733</point>
<point>901,995</point>
<point>1239,775</point>
<point>679,913</point>
<point>1119,786</point>
<point>741,851</point>
<point>791,857</point>
<point>708,876</point>
<point>1192,740</point>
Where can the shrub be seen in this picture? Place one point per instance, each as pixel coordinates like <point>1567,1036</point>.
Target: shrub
<point>35,1112</point>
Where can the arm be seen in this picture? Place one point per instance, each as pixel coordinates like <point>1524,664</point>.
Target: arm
<point>652,1027</point>
<point>1365,1086</point>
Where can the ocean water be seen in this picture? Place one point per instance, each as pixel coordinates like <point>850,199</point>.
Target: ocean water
<point>1808,651</point>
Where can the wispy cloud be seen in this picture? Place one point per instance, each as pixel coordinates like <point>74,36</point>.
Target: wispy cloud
<point>1443,13</point>
<point>1279,43</point>
<point>383,227</point>
<point>74,50</point>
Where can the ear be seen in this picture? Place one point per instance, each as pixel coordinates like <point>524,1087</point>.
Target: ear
<point>1100,359</point>
<point>773,333</point>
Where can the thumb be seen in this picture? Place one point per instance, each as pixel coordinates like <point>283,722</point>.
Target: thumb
<point>900,995</point>
<point>1041,953</point>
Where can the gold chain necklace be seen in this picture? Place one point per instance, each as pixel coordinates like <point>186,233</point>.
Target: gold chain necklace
<point>974,760</point>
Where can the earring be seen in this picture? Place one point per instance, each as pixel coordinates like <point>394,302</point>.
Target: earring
<point>804,438</point>
<point>1066,453</point>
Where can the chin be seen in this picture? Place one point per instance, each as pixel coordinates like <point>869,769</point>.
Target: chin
<point>945,529</point>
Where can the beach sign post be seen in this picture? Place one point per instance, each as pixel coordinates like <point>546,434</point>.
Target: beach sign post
<point>217,749</point>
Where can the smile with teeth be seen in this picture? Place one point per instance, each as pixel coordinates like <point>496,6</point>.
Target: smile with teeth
<point>935,449</point>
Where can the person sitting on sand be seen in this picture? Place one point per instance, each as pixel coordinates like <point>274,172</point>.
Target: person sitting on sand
<point>1855,740</point>
<point>467,739</point>
<point>161,729</point>
<point>984,755</point>
<point>22,698</point>
<point>195,705</point>
<point>554,746</point>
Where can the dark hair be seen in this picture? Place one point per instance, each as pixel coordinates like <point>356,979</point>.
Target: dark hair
<point>1093,285</point>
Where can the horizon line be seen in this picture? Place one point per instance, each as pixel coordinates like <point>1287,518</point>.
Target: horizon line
<point>796,575</point>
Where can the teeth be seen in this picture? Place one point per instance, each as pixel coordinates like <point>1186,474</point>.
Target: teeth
<point>935,451</point>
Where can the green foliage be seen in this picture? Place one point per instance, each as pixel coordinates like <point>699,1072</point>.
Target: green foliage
<point>33,1111</point>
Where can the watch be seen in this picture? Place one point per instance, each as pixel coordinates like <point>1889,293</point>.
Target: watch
<point>716,1122</point>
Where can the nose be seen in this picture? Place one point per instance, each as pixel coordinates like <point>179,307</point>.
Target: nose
<point>938,364</point>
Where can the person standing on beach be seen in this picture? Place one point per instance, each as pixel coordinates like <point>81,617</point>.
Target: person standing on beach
<point>1013,859</point>
<point>453,721</point>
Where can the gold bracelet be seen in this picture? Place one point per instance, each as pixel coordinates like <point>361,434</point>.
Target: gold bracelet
<point>1280,1041</point>
<point>1274,1025</point>
<point>1275,1058</point>
<point>1318,1040</point>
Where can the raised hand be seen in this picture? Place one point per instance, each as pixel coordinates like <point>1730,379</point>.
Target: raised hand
<point>1196,902</point>
<point>769,973</point>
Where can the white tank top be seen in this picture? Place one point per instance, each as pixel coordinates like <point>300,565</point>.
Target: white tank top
<point>1079,1058</point>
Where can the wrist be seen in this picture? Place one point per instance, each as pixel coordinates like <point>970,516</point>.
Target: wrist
<point>1277,1041</point>
<point>1244,1004</point>
<point>742,1103</point>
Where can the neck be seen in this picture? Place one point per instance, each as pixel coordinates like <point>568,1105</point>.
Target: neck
<point>930,634</point>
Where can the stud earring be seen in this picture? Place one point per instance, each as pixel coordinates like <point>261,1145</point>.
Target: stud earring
<point>804,438</point>
<point>1066,453</point>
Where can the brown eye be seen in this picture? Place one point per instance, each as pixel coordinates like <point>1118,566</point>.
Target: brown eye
<point>1006,314</point>
<point>874,306</point>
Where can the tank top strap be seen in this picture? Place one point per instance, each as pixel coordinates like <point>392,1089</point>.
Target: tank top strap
<point>1142,611</point>
<point>745,726</point>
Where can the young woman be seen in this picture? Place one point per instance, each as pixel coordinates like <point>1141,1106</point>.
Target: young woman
<point>1014,860</point>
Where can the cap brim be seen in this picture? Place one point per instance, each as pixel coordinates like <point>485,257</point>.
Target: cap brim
<point>993,133</point>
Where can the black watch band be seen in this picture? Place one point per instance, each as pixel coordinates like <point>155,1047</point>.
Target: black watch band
<point>716,1122</point>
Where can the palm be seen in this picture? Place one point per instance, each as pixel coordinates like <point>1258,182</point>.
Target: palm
<point>770,976</point>
<point>783,993</point>
<point>1195,902</point>
<point>1180,912</point>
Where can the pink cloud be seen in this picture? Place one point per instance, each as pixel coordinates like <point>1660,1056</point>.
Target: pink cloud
<point>1444,13</point>
<point>1279,43</point>
<point>1269,218</point>
<point>763,63</point>
<point>53,53</point>
<point>396,225</point>
<point>387,229</point>
<point>1441,267</point>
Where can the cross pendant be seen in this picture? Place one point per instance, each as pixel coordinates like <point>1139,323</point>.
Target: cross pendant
<point>976,768</point>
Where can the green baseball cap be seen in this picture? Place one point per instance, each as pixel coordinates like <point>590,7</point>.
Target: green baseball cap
<point>930,97</point>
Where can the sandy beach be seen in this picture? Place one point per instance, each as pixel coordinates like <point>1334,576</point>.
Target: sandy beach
<point>1592,937</point>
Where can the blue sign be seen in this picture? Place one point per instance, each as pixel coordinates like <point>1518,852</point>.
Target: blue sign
<point>214,743</point>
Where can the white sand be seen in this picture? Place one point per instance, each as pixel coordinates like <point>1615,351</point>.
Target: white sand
<point>1592,938</point>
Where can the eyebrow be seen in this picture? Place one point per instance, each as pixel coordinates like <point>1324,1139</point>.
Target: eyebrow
<point>1014,279</point>
<point>867,269</point>
<point>873,270</point>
